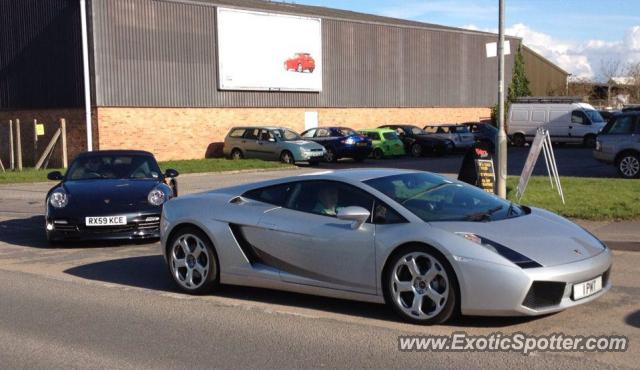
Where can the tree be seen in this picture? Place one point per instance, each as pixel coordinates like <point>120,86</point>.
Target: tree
<point>518,87</point>
<point>633,72</point>
<point>610,68</point>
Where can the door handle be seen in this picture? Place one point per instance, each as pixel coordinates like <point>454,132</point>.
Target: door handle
<point>570,127</point>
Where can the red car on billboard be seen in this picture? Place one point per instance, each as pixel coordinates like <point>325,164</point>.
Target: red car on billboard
<point>300,62</point>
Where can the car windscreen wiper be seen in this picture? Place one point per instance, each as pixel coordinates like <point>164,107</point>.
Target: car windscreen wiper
<point>482,216</point>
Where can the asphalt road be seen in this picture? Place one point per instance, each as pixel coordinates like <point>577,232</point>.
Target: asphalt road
<point>97,305</point>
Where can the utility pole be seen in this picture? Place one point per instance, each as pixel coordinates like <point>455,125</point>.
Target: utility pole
<point>86,73</point>
<point>501,183</point>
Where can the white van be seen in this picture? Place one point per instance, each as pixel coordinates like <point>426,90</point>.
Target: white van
<point>567,121</point>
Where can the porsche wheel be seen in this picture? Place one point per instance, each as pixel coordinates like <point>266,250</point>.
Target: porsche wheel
<point>420,286</point>
<point>192,261</point>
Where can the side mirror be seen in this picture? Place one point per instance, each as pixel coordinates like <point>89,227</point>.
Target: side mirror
<point>171,173</point>
<point>55,176</point>
<point>358,215</point>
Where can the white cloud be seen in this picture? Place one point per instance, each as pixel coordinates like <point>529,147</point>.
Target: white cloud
<point>582,60</point>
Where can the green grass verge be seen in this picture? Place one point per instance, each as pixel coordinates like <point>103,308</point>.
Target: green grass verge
<point>184,166</point>
<point>586,198</point>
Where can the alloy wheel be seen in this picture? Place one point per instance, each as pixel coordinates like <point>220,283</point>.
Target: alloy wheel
<point>236,154</point>
<point>329,156</point>
<point>629,166</point>
<point>419,285</point>
<point>286,158</point>
<point>416,150</point>
<point>190,261</point>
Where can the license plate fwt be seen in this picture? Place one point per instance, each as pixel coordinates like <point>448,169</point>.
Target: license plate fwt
<point>106,221</point>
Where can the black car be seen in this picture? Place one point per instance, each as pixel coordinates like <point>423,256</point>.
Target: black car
<point>484,132</point>
<point>108,195</point>
<point>340,142</point>
<point>418,143</point>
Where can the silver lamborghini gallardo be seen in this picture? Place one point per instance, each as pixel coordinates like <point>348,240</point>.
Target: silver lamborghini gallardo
<point>428,246</point>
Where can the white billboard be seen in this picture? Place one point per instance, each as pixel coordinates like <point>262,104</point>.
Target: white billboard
<point>267,51</point>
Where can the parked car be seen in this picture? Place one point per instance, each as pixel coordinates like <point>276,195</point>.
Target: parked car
<point>460,135</point>
<point>300,62</point>
<point>340,142</point>
<point>418,143</point>
<point>484,132</point>
<point>619,144</point>
<point>111,194</point>
<point>425,244</point>
<point>385,143</point>
<point>271,143</point>
<point>567,122</point>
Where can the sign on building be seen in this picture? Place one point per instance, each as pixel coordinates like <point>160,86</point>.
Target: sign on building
<point>268,51</point>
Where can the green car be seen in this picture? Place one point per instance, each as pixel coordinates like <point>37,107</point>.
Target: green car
<point>385,142</point>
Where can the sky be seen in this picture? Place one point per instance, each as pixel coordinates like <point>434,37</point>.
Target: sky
<point>579,35</point>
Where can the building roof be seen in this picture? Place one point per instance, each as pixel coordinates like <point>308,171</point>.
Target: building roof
<point>331,13</point>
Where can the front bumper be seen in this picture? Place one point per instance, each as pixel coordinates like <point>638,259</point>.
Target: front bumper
<point>141,225</point>
<point>496,290</point>
<point>310,155</point>
<point>604,156</point>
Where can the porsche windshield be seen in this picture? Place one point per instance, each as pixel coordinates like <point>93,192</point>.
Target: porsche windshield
<point>114,167</point>
<point>433,198</point>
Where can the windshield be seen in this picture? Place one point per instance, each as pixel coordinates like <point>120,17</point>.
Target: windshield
<point>434,198</point>
<point>114,167</point>
<point>286,135</point>
<point>621,125</point>
<point>594,115</point>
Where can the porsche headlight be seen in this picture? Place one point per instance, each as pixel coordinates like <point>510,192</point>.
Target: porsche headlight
<point>156,197</point>
<point>59,199</point>
<point>508,253</point>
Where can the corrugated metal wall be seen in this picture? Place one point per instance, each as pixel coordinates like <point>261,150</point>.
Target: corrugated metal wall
<point>40,54</point>
<point>545,78</point>
<point>160,53</point>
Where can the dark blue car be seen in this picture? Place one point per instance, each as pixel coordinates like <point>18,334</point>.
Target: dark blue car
<point>114,194</point>
<point>340,142</point>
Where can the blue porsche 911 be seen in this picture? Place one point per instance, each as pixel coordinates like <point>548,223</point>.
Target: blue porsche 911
<point>108,195</point>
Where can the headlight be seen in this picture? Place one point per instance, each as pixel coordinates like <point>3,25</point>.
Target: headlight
<point>156,197</point>
<point>513,256</point>
<point>59,199</point>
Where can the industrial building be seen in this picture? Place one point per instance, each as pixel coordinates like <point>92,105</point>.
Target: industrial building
<point>172,76</point>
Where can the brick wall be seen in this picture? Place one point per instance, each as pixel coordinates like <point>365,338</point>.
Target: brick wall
<point>186,133</point>
<point>76,134</point>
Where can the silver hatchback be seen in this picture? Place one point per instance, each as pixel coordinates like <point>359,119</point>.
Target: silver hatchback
<point>460,135</point>
<point>271,143</point>
<point>619,144</point>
